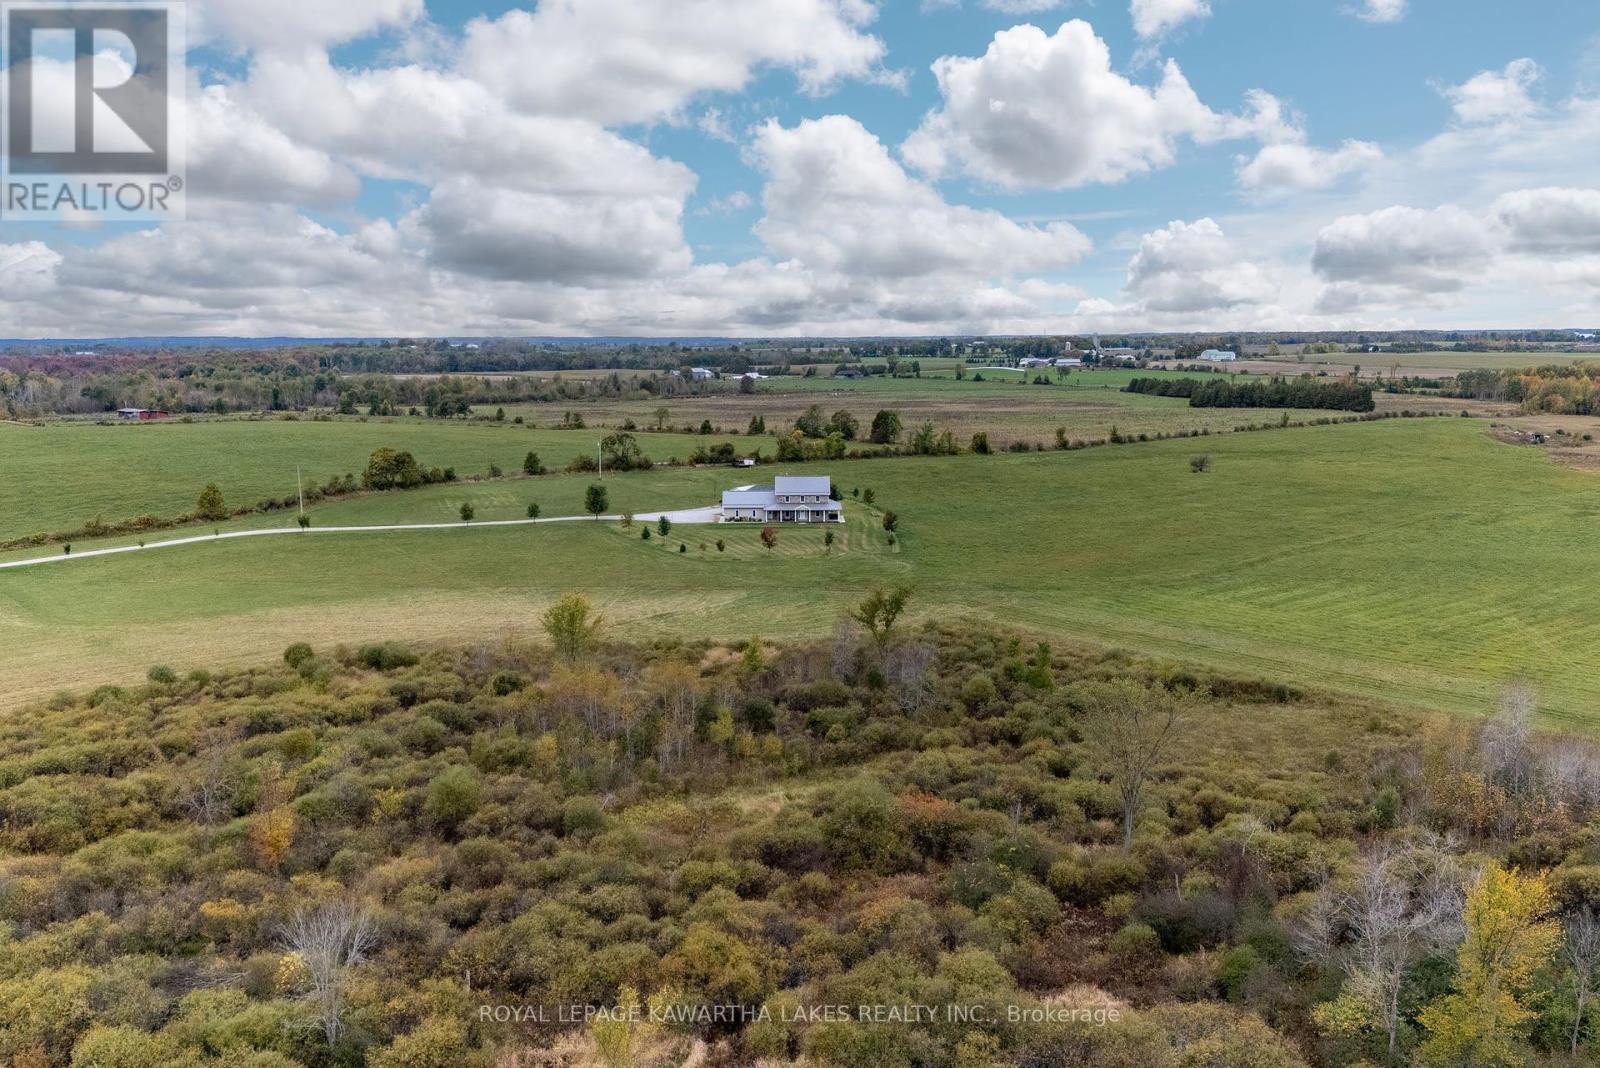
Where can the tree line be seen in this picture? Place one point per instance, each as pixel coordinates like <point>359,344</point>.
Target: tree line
<point>1303,392</point>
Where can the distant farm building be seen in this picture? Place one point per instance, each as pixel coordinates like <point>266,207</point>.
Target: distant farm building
<point>1028,362</point>
<point>141,415</point>
<point>849,372</point>
<point>1071,361</point>
<point>1219,356</point>
<point>703,374</point>
<point>787,500</point>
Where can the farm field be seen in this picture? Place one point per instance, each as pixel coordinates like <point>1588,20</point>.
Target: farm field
<point>1087,405</point>
<point>1417,560</point>
<point>61,475</point>
<point>1417,364</point>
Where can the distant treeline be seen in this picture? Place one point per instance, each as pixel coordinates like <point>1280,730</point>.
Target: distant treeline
<point>1274,393</point>
<point>1559,389</point>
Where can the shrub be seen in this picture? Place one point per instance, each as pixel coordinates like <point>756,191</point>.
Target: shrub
<point>298,655</point>
<point>162,675</point>
<point>1135,941</point>
<point>582,816</point>
<point>1236,968</point>
<point>386,656</point>
<point>454,795</point>
<point>1200,464</point>
<point>507,682</point>
<point>468,513</point>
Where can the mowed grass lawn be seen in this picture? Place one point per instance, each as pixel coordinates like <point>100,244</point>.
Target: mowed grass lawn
<point>59,476</point>
<point>1416,560</point>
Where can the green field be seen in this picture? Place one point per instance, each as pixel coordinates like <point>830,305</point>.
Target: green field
<point>1415,559</point>
<point>63,474</point>
<point>1088,405</point>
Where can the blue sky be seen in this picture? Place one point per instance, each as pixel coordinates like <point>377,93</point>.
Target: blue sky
<point>795,166</point>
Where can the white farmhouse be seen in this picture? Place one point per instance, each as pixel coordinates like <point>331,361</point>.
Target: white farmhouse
<point>787,500</point>
<point>1219,356</point>
<point>702,374</point>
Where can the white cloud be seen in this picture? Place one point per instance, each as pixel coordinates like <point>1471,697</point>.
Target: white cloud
<point>1047,111</point>
<point>1152,18</point>
<point>1496,96</point>
<point>1550,220</point>
<point>296,24</point>
<point>1381,11</point>
<point>1292,166</point>
<point>621,61</point>
<point>1421,251</point>
<point>235,153</point>
<point>835,199</point>
<point>1023,7</point>
<point>1193,267</point>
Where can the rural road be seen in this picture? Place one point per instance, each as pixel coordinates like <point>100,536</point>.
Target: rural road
<point>688,517</point>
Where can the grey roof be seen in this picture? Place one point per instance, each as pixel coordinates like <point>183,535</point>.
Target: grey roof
<point>803,486</point>
<point>750,498</point>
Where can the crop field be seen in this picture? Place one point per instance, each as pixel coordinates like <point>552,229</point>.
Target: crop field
<point>60,475</point>
<point>1417,364</point>
<point>1418,560</point>
<point>1008,410</point>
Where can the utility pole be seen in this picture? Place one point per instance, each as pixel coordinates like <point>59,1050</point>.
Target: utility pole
<point>301,486</point>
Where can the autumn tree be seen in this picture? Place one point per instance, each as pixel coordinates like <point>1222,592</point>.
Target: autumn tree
<point>272,830</point>
<point>1401,908</point>
<point>572,627</point>
<point>769,537</point>
<point>674,688</point>
<point>1130,729</point>
<point>1510,937</point>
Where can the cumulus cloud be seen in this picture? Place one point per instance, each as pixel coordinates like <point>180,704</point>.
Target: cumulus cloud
<point>1381,11</point>
<point>620,61</point>
<point>1496,95</point>
<point>236,153</point>
<point>1152,18</point>
<point>1421,251</point>
<point>1293,166</point>
<point>836,199</point>
<point>1550,220</point>
<point>1192,267</point>
<point>296,24</point>
<point>1046,110</point>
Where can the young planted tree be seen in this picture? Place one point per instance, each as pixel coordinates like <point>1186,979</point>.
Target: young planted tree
<point>533,511</point>
<point>572,627</point>
<point>468,513</point>
<point>769,537</point>
<point>664,525</point>
<point>596,500</point>
<point>828,538</point>
<point>210,505</point>
<point>531,464</point>
<point>329,941</point>
<point>1130,729</point>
